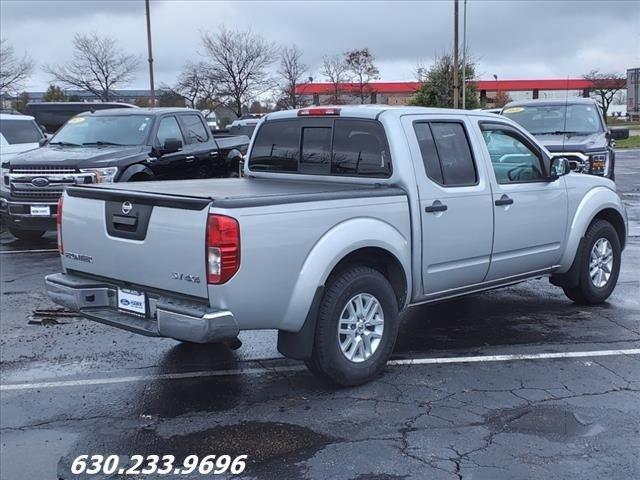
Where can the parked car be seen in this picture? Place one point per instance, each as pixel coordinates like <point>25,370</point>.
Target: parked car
<point>117,145</point>
<point>572,128</point>
<point>345,217</point>
<point>53,115</point>
<point>18,133</point>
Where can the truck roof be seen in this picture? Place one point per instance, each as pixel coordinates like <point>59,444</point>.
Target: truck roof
<point>141,111</point>
<point>552,101</point>
<point>14,116</point>
<point>373,111</point>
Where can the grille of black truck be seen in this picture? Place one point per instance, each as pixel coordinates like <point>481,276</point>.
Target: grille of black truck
<point>44,183</point>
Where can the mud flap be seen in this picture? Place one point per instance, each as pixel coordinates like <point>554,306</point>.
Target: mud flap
<point>299,345</point>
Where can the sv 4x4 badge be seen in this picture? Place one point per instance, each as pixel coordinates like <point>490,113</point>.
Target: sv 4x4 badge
<point>186,277</point>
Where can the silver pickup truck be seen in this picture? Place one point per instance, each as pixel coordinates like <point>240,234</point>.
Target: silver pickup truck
<point>346,216</point>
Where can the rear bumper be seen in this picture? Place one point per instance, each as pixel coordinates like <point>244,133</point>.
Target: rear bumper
<point>168,317</point>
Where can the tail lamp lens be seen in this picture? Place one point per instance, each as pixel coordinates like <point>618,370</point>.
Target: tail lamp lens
<point>223,248</point>
<point>59,225</point>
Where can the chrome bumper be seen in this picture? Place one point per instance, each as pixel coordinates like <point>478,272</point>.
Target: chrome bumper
<point>167,317</point>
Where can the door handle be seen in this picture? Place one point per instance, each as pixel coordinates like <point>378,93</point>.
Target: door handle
<point>503,200</point>
<point>436,207</point>
<point>190,158</point>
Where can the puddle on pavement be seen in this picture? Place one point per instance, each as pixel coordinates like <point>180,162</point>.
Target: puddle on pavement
<point>549,422</point>
<point>271,446</point>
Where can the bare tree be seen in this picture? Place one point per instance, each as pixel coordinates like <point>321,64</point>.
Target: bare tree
<point>98,66</point>
<point>14,71</point>
<point>291,72</point>
<point>605,87</point>
<point>360,65</point>
<point>239,61</point>
<point>196,84</point>
<point>337,73</point>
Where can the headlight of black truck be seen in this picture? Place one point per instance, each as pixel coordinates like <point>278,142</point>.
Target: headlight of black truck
<point>599,163</point>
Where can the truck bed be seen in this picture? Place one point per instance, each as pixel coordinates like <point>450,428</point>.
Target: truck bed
<point>233,192</point>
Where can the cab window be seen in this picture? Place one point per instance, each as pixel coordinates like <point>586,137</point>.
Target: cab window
<point>194,129</point>
<point>167,129</point>
<point>512,159</point>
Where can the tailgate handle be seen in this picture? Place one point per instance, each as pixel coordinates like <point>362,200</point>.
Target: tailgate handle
<point>125,221</point>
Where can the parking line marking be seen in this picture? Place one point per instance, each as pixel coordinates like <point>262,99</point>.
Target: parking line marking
<point>296,368</point>
<point>43,250</point>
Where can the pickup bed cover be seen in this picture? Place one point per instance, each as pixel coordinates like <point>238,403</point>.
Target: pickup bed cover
<point>231,192</point>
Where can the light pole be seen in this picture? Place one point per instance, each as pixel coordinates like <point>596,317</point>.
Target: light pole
<point>455,54</point>
<point>151,89</point>
<point>464,55</point>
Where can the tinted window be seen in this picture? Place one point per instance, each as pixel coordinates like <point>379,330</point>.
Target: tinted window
<point>20,131</point>
<point>513,161</point>
<point>456,161</point>
<point>107,129</point>
<point>242,130</point>
<point>195,131</point>
<point>316,150</point>
<point>360,148</point>
<point>276,147</point>
<point>168,128</point>
<point>428,152</point>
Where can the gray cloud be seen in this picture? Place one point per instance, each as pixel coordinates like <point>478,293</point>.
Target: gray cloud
<point>517,39</point>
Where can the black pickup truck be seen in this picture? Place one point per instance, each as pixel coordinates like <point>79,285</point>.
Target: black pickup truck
<point>118,145</point>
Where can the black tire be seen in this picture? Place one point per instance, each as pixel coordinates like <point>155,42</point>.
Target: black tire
<point>586,293</point>
<point>327,360</point>
<point>140,177</point>
<point>26,234</point>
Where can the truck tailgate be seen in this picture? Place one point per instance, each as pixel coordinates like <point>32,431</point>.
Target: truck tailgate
<point>137,238</point>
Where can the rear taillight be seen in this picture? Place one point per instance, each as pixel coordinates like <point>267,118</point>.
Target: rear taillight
<point>223,248</point>
<point>59,225</point>
<point>318,112</point>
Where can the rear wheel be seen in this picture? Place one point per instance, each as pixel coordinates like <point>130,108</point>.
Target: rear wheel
<point>356,328</point>
<point>599,260</point>
<point>26,234</point>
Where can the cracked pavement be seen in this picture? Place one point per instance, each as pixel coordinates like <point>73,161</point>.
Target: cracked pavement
<point>517,419</point>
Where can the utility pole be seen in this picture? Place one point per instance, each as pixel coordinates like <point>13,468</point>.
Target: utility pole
<point>464,55</point>
<point>456,85</point>
<point>151,89</point>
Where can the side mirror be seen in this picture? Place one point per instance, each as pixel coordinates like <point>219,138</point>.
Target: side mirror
<point>619,133</point>
<point>171,145</point>
<point>43,141</point>
<point>559,167</point>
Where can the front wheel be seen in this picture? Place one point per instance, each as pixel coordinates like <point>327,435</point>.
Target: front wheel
<point>599,259</point>
<point>356,328</point>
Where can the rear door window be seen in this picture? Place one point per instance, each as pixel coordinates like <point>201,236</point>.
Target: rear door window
<point>446,153</point>
<point>194,129</point>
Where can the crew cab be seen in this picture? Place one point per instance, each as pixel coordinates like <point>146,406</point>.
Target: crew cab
<point>116,145</point>
<point>573,128</point>
<point>345,217</point>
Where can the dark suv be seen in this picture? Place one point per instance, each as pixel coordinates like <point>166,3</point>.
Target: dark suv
<point>119,145</point>
<point>573,128</point>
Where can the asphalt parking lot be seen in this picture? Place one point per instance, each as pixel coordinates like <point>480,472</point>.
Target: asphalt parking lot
<point>516,383</point>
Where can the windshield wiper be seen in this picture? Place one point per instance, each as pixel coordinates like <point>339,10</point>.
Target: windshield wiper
<point>65,144</point>
<point>557,132</point>
<point>100,142</point>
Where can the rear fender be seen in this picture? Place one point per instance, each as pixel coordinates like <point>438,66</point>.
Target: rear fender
<point>594,201</point>
<point>332,247</point>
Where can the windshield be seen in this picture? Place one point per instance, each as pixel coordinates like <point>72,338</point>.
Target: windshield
<point>104,130</point>
<point>557,119</point>
<point>20,131</point>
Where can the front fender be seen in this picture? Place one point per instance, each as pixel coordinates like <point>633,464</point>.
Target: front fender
<point>594,201</point>
<point>132,170</point>
<point>332,247</point>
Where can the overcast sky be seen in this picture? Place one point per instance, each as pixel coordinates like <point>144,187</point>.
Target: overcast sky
<point>512,39</point>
